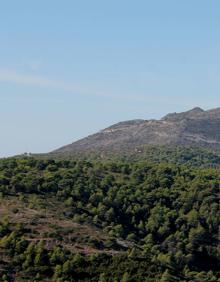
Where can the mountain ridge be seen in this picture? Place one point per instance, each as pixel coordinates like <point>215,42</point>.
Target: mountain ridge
<point>196,127</point>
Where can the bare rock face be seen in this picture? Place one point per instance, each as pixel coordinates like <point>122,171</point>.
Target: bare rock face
<point>195,112</point>
<point>192,128</point>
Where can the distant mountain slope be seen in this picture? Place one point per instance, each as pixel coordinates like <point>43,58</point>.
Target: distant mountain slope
<point>196,128</point>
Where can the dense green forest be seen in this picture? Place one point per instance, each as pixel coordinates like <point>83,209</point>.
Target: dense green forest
<point>178,155</point>
<point>72,220</point>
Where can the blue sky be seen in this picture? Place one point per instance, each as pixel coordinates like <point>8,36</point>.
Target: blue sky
<point>70,68</point>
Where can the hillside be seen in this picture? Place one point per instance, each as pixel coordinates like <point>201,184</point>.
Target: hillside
<point>138,201</point>
<point>194,128</point>
<point>108,221</point>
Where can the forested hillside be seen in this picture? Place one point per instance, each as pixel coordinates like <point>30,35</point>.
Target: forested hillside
<point>108,221</point>
<point>174,155</point>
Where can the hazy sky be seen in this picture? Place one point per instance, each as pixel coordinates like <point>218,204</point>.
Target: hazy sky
<point>70,68</point>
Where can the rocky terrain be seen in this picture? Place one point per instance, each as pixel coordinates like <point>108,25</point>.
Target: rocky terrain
<point>196,128</point>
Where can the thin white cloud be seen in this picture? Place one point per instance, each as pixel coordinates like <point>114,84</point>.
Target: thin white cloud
<point>15,77</point>
<point>12,76</point>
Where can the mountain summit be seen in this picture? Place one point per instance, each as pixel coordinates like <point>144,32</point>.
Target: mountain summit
<point>195,127</point>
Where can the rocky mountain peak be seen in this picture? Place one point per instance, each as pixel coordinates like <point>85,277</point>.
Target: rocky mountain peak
<point>195,127</point>
<point>193,113</point>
